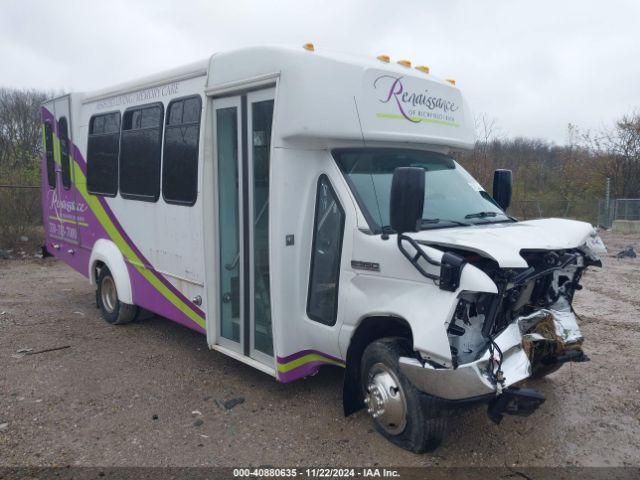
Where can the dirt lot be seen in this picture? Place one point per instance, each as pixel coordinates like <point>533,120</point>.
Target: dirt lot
<point>125,395</point>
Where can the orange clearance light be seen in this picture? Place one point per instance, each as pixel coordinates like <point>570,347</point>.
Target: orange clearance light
<point>384,58</point>
<point>405,63</point>
<point>451,81</point>
<point>309,47</point>
<point>423,68</point>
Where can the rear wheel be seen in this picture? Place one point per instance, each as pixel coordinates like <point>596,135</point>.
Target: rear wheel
<point>404,415</point>
<point>112,309</point>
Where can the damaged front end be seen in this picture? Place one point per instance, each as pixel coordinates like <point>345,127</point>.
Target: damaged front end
<point>538,300</point>
<point>527,329</point>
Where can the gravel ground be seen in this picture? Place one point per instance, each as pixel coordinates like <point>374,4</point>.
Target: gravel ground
<point>151,393</point>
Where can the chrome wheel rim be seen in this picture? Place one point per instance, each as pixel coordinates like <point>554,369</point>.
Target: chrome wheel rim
<point>385,400</point>
<point>108,294</point>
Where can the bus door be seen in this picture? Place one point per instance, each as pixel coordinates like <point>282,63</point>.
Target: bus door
<point>62,221</point>
<point>242,144</point>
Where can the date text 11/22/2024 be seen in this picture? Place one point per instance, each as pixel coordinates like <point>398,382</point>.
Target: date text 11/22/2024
<point>315,472</point>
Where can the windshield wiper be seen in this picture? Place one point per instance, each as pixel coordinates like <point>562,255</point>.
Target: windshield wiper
<point>431,221</point>
<point>482,215</point>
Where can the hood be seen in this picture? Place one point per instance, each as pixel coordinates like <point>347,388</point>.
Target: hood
<point>503,241</point>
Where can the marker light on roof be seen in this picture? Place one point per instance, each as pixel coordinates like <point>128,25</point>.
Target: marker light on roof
<point>451,81</point>
<point>309,46</point>
<point>405,63</point>
<point>422,68</point>
<point>384,58</point>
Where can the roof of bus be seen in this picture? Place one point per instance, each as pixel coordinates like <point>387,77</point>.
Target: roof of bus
<point>175,74</point>
<point>291,57</point>
<point>276,55</point>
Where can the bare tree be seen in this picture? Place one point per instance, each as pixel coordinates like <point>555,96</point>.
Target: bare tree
<point>618,150</point>
<point>20,133</point>
<point>487,131</point>
<point>20,151</point>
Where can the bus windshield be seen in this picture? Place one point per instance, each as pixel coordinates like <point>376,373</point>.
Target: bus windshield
<point>452,196</point>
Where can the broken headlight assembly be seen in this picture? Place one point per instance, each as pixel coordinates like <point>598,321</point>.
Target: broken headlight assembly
<point>538,298</point>
<point>466,340</point>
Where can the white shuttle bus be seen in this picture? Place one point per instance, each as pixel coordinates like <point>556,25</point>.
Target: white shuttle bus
<point>302,208</point>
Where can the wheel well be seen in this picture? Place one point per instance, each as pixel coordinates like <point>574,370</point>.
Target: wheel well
<point>97,266</point>
<point>95,272</point>
<point>369,330</point>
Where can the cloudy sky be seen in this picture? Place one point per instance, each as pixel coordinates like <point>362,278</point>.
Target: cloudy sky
<point>533,66</point>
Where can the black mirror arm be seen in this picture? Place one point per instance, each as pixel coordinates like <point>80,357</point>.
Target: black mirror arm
<point>417,256</point>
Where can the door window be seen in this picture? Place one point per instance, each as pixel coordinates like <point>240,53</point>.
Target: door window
<point>48,149</point>
<point>261,116</point>
<point>229,225</point>
<point>328,231</point>
<point>242,142</point>
<point>64,153</point>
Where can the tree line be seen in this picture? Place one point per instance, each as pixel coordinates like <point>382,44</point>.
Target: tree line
<point>20,135</point>
<point>561,180</point>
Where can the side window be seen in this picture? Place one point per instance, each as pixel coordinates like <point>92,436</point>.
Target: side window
<point>140,153</point>
<point>180,154</point>
<point>48,149</point>
<point>64,153</point>
<point>103,147</point>
<point>328,230</point>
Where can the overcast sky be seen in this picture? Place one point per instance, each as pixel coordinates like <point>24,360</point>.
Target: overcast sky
<point>534,66</point>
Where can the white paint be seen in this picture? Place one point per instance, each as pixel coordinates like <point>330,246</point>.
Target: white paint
<point>503,241</point>
<point>107,252</point>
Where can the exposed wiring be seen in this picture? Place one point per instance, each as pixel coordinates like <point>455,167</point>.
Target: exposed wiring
<point>495,366</point>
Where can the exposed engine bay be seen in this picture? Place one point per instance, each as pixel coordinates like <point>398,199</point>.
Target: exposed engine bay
<point>538,299</point>
<point>511,317</point>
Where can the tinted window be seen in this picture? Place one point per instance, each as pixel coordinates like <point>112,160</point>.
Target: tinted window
<point>48,149</point>
<point>64,153</point>
<point>140,153</point>
<point>180,157</point>
<point>102,154</point>
<point>328,229</point>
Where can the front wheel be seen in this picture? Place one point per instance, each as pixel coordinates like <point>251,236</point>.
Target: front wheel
<point>112,309</point>
<point>404,415</point>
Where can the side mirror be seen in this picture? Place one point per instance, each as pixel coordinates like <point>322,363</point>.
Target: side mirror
<point>407,199</point>
<point>502,181</point>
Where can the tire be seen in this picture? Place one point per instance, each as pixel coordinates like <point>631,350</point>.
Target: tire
<point>112,309</point>
<point>542,371</point>
<point>418,427</point>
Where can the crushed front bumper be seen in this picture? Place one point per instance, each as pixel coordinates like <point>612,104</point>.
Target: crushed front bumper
<point>546,335</point>
<point>471,379</point>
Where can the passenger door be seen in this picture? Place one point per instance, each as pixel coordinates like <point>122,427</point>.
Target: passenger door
<point>62,218</point>
<point>242,147</point>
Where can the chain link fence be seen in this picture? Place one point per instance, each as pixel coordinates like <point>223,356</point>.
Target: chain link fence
<point>584,209</point>
<point>626,209</point>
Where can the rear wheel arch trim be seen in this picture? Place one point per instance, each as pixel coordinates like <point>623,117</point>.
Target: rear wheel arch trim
<point>106,252</point>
